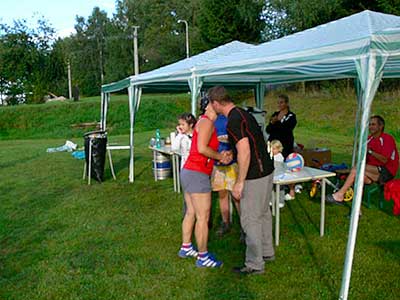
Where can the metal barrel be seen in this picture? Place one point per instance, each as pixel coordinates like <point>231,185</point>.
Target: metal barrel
<point>163,166</point>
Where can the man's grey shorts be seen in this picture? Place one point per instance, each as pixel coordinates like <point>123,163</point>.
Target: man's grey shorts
<point>195,182</point>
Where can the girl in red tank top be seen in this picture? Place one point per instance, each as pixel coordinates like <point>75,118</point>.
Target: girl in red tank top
<point>195,179</point>
<point>197,161</point>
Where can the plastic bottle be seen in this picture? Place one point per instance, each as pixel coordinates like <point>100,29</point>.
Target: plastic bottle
<point>158,139</point>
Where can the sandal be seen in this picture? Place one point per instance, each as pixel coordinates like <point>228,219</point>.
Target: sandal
<point>330,199</point>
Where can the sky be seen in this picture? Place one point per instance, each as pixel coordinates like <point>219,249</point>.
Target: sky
<point>60,14</point>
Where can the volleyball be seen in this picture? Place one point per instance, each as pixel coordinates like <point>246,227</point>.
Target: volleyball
<point>294,162</point>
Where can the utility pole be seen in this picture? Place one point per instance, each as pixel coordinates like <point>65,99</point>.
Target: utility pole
<point>69,81</point>
<point>135,49</point>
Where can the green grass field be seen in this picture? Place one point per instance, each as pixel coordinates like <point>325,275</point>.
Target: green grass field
<point>63,239</point>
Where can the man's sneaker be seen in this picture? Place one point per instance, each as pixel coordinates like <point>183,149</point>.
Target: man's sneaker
<point>269,258</point>
<point>208,262</point>
<point>247,271</point>
<point>189,252</point>
<point>223,229</point>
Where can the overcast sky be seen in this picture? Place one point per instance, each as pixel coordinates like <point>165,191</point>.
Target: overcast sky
<point>59,13</point>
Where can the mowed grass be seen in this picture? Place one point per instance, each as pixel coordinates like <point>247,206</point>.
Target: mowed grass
<point>63,239</point>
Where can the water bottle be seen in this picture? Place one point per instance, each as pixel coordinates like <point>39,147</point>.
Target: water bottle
<point>158,139</point>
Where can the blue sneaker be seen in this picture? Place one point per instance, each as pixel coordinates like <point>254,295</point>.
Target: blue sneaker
<point>190,252</point>
<point>208,262</point>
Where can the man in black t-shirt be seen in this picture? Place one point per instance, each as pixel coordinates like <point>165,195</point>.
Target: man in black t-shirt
<point>253,186</point>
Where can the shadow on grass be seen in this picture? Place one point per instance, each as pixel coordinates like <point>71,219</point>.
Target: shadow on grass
<point>225,288</point>
<point>387,207</point>
<point>310,220</point>
<point>391,246</point>
<point>122,165</point>
<point>323,275</point>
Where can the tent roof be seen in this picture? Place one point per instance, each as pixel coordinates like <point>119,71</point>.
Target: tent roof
<point>324,52</point>
<point>328,51</point>
<point>180,70</point>
<point>348,29</point>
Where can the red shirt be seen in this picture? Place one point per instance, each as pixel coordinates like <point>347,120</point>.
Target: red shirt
<point>386,146</point>
<point>197,161</point>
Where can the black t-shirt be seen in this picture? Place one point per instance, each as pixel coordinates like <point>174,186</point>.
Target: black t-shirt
<point>241,124</point>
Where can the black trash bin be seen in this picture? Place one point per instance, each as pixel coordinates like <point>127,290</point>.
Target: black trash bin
<point>97,140</point>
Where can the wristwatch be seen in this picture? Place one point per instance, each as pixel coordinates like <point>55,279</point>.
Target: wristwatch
<point>369,151</point>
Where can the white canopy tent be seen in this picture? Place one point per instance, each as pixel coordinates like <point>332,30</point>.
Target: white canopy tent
<point>364,46</point>
<point>174,77</point>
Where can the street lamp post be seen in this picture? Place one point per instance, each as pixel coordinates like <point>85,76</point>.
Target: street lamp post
<point>187,36</point>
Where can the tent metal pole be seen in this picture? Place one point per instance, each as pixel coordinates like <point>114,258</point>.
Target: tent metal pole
<point>131,95</point>
<point>371,70</point>
<point>357,121</point>
<point>355,211</point>
<point>102,112</point>
<point>259,95</point>
<point>193,95</point>
<point>137,98</point>
<point>195,84</point>
<point>105,99</point>
<point>193,103</point>
<point>106,102</point>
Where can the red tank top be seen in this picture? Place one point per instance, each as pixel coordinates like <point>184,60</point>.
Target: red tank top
<point>198,162</point>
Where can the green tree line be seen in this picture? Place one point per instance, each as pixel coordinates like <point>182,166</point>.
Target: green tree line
<point>33,62</point>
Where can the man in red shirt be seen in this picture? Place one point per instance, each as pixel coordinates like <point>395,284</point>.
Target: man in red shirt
<point>382,160</point>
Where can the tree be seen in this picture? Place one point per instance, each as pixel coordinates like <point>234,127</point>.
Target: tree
<point>86,51</point>
<point>105,46</point>
<point>221,21</point>
<point>284,17</point>
<point>390,6</point>
<point>161,39</point>
<point>24,54</point>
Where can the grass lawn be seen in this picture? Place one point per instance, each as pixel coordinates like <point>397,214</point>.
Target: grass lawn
<point>63,239</point>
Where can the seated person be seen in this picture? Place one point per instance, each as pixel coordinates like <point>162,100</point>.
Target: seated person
<point>382,160</point>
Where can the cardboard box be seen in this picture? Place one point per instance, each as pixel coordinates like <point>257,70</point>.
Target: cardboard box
<point>316,157</point>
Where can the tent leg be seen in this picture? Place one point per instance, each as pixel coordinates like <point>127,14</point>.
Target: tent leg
<point>370,71</point>
<point>131,94</point>
<point>259,93</point>
<point>357,121</point>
